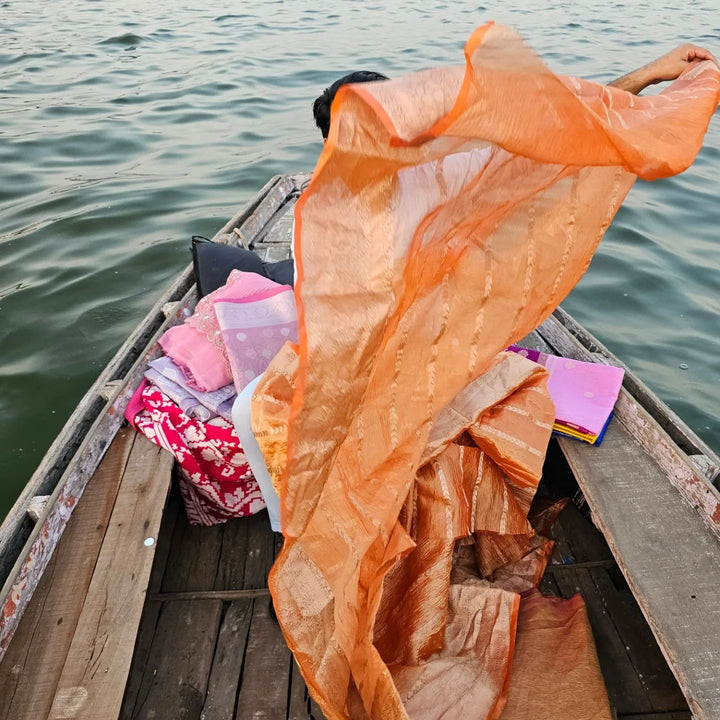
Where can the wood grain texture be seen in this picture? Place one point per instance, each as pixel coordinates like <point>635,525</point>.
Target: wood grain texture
<point>641,647</point>
<point>669,559</point>
<point>265,680</point>
<point>175,679</point>
<point>227,663</point>
<point>260,551</point>
<point>194,553</point>
<point>152,607</point>
<point>93,679</point>
<point>253,227</point>
<point>31,668</point>
<point>233,555</point>
<point>298,700</point>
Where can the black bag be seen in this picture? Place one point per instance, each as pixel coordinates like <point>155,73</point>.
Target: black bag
<point>213,262</point>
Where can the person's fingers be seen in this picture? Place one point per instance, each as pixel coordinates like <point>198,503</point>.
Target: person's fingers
<point>695,52</point>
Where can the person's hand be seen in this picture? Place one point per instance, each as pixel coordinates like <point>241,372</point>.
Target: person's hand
<point>671,65</point>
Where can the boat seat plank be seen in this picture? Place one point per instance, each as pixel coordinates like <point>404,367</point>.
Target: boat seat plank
<point>669,558</point>
<point>266,669</point>
<point>93,679</point>
<point>31,668</point>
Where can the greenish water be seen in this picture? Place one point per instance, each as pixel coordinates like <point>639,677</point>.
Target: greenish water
<point>126,127</point>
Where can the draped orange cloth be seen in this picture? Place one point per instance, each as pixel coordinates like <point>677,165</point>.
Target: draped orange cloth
<point>449,214</point>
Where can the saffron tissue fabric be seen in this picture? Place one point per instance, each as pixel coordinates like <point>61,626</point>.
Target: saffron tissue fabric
<point>450,212</point>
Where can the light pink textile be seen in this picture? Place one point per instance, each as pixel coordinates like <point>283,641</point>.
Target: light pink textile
<point>197,345</point>
<point>584,393</point>
<point>254,329</point>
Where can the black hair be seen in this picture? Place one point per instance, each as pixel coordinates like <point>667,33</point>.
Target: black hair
<point>321,106</point>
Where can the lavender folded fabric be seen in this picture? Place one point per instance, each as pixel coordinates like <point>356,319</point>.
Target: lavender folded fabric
<point>194,403</point>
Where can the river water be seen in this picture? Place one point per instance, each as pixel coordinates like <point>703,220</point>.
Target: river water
<point>126,127</point>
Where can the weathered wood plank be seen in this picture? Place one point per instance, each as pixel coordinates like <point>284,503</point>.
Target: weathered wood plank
<point>31,564</point>
<point>31,668</point>
<point>669,559</point>
<point>578,540</point>
<point>260,551</point>
<point>194,555</point>
<point>176,676</point>
<point>37,507</point>
<point>298,700</point>
<point>151,610</point>
<point>252,228</point>
<point>279,229</point>
<point>642,649</point>
<point>233,555</point>
<point>692,484</point>
<point>225,595</point>
<point>93,679</point>
<point>315,712</point>
<point>227,662</point>
<point>265,681</point>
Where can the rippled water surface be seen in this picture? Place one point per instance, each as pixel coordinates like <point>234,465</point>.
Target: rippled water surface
<point>126,127</point>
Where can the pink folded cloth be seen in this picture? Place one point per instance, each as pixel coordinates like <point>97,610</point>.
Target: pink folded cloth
<point>203,363</point>
<point>254,329</point>
<point>197,345</point>
<point>584,393</point>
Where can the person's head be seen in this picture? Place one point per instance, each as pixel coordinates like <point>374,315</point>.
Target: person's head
<point>321,106</point>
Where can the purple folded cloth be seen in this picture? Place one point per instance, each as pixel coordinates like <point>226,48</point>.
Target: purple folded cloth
<point>170,379</point>
<point>584,393</point>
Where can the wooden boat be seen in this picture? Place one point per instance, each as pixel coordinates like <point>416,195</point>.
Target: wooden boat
<point>115,607</point>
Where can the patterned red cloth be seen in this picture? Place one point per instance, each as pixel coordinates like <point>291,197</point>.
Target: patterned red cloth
<point>215,480</point>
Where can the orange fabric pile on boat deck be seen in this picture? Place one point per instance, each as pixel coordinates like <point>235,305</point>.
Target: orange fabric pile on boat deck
<point>449,213</point>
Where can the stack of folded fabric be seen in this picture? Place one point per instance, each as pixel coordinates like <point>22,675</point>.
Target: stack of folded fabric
<point>584,394</point>
<point>185,402</point>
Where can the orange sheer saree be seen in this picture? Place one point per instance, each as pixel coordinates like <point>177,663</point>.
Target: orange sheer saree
<point>449,214</point>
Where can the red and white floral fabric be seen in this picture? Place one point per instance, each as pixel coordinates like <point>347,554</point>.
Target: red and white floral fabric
<point>215,480</point>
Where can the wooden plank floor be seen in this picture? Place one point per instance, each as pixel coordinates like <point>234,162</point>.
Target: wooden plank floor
<point>208,646</point>
<point>209,649</point>
<point>71,654</point>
